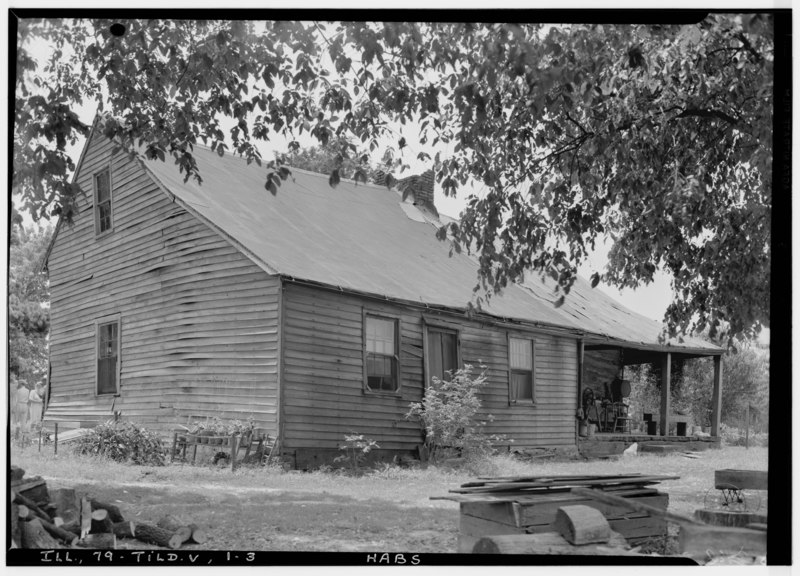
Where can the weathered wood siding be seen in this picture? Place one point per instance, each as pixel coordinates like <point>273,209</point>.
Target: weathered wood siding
<point>600,367</point>
<point>198,320</point>
<point>322,376</point>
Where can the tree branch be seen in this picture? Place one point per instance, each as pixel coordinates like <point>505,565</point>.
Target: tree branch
<point>707,114</point>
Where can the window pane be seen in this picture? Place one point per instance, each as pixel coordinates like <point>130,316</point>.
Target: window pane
<point>102,184</point>
<point>520,354</point>
<point>381,372</point>
<point>107,375</point>
<point>449,353</point>
<point>521,386</point>
<point>380,335</point>
<point>104,216</point>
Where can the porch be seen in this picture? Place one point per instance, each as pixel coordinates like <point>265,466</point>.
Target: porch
<point>611,444</point>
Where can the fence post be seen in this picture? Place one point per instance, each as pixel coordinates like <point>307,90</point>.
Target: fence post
<point>747,427</point>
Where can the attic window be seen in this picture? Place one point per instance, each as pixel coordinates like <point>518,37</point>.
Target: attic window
<point>520,373</point>
<point>381,354</point>
<point>102,202</point>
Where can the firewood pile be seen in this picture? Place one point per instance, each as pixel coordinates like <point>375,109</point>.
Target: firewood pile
<point>64,518</point>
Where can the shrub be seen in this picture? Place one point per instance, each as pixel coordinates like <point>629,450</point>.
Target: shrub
<point>448,412</point>
<point>732,436</point>
<point>356,448</point>
<point>124,442</point>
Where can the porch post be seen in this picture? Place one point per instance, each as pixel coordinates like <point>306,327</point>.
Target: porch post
<point>666,367</point>
<point>716,397</point>
<point>580,386</point>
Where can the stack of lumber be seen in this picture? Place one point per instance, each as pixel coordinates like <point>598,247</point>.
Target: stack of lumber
<point>64,518</point>
<point>529,505</point>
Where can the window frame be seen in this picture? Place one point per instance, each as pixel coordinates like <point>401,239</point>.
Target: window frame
<point>442,326</point>
<point>513,400</point>
<point>398,373</point>
<point>98,324</point>
<point>96,204</point>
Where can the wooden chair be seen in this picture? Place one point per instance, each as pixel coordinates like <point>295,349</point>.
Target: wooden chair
<point>622,420</point>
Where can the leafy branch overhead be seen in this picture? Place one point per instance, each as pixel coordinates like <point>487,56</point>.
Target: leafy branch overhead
<point>655,137</point>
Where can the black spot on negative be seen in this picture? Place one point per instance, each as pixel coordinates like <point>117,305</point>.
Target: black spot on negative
<point>117,29</point>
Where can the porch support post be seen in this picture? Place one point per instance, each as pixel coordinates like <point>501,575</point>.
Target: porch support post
<point>666,369</point>
<point>580,386</point>
<point>716,397</point>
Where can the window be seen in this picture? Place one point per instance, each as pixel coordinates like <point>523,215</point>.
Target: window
<point>442,353</point>
<point>520,363</point>
<point>102,201</point>
<point>108,357</point>
<point>381,354</point>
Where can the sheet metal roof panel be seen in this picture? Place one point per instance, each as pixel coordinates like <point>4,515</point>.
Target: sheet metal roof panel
<point>360,238</point>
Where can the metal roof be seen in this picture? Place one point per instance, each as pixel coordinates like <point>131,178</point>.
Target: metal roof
<point>365,239</point>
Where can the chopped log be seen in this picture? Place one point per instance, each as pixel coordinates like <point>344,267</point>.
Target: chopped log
<point>549,543</point>
<point>580,525</point>
<point>199,535</point>
<point>86,517</point>
<point>67,504</point>
<point>698,541</point>
<point>58,521</point>
<point>16,474</point>
<point>757,526</point>
<point>155,535</point>
<point>24,513</point>
<point>171,524</point>
<point>31,505</point>
<point>74,527</point>
<point>34,536</point>
<point>125,529</point>
<point>101,522</point>
<point>114,514</point>
<point>35,489</point>
<point>98,541</point>
<point>728,518</point>
<point>64,535</point>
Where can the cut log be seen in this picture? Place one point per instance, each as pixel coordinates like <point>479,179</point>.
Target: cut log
<point>172,524</point>
<point>67,504</point>
<point>101,522</point>
<point>199,535</point>
<point>56,532</point>
<point>16,474</point>
<point>34,536</point>
<point>31,505</point>
<point>580,525</point>
<point>155,535</point>
<point>114,514</point>
<point>58,521</point>
<point>549,543</point>
<point>86,517</point>
<point>74,527</point>
<point>124,529</point>
<point>35,489</point>
<point>98,541</point>
<point>698,541</point>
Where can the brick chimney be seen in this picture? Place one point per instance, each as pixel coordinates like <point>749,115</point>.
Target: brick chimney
<point>420,186</point>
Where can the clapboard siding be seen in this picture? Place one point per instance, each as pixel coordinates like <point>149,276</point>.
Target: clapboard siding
<point>198,319</point>
<point>322,375</point>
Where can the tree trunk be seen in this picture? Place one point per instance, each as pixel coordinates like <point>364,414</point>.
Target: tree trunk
<point>114,514</point>
<point>98,541</point>
<point>34,536</point>
<point>155,535</point>
<point>16,531</point>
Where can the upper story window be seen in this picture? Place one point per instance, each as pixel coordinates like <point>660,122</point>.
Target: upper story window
<point>102,202</point>
<point>382,352</point>
<point>520,364</point>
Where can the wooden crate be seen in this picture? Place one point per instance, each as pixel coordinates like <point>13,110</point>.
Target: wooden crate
<point>483,515</point>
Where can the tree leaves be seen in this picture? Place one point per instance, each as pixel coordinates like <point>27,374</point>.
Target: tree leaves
<point>659,137</point>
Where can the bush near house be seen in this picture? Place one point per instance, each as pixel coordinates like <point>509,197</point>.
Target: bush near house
<point>124,442</point>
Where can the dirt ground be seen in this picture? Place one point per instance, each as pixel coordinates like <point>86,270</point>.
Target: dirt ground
<point>268,519</point>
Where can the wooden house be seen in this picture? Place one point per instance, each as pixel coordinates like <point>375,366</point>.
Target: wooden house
<point>318,312</point>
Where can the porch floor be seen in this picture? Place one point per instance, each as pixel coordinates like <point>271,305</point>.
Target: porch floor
<point>605,444</point>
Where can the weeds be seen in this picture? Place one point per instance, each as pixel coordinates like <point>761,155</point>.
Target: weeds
<point>123,442</point>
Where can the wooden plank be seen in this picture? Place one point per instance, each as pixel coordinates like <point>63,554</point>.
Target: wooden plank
<point>632,504</point>
<point>472,529</point>
<point>700,540</point>
<point>741,479</point>
<point>551,544</point>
